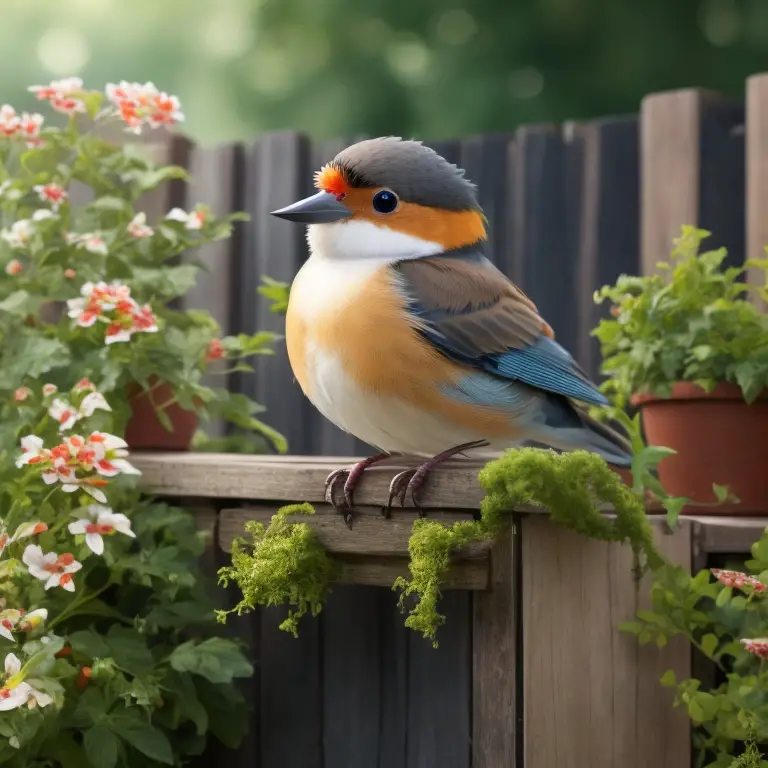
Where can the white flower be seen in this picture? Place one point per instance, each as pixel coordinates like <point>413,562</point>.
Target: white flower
<point>101,521</point>
<point>55,570</point>
<point>138,228</point>
<point>191,220</point>
<point>51,193</point>
<point>67,415</point>
<point>106,454</point>
<point>41,214</point>
<point>88,241</point>
<point>9,618</point>
<point>32,451</point>
<point>50,389</point>
<point>19,234</point>
<point>64,413</point>
<point>15,692</point>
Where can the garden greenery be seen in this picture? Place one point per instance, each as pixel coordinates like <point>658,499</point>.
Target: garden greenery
<point>111,654</point>
<point>692,321</point>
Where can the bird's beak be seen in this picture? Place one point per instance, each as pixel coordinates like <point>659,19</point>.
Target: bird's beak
<point>322,208</point>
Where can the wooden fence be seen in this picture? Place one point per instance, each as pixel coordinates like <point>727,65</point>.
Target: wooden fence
<point>531,671</point>
<point>570,208</point>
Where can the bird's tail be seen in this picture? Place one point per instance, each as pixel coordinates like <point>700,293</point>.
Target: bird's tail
<point>569,428</point>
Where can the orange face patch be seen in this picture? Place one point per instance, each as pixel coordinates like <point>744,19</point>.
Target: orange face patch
<point>330,180</point>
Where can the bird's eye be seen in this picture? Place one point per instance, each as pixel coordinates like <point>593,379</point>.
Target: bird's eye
<point>384,201</point>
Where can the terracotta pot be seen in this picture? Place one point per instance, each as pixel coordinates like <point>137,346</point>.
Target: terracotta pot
<point>718,438</point>
<point>144,432</point>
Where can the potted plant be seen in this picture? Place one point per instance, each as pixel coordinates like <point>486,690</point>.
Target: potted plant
<point>690,350</point>
<point>109,652</point>
<point>115,271</point>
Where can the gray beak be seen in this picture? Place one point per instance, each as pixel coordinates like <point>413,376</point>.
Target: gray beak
<point>322,208</point>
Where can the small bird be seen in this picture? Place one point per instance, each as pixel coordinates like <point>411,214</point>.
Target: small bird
<point>402,333</point>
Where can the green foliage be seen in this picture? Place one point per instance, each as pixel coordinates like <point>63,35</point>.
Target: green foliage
<point>571,486</point>
<point>726,619</point>
<point>691,322</point>
<point>277,292</point>
<point>286,565</point>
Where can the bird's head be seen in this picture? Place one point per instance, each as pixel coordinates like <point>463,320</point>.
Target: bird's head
<point>390,200</point>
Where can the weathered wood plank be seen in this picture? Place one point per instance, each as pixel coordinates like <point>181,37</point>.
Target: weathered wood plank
<point>542,260</point>
<point>727,534</point>
<point>351,677</point>
<point>371,533</point>
<point>757,174</point>
<point>291,706</point>
<point>610,221</point>
<point>690,155</point>
<point>575,593</point>
<point>214,184</point>
<point>440,691</point>
<point>494,656</point>
<point>235,476</point>
<point>393,649</point>
<point>277,172</point>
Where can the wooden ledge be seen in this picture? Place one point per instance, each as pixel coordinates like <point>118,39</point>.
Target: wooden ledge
<point>453,485</point>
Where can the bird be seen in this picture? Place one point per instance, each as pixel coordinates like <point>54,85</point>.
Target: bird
<point>401,332</point>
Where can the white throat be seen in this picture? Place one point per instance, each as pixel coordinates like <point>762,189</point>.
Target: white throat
<point>363,240</point>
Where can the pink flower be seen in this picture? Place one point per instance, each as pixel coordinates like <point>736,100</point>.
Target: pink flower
<point>51,193</point>
<point>84,385</point>
<point>21,394</point>
<point>50,389</point>
<point>70,274</point>
<point>138,228</point>
<point>89,241</point>
<point>13,267</point>
<point>63,95</point>
<point>55,570</point>
<point>758,647</point>
<point>192,220</point>
<point>215,350</point>
<point>25,126</point>
<point>138,104</point>
<point>738,580</point>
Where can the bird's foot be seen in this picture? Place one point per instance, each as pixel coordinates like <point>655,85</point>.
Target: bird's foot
<point>410,481</point>
<point>345,481</point>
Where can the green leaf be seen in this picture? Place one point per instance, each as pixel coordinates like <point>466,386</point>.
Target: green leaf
<point>669,679</point>
<point>674,506</point>
<point>88,643</point>
<point>709,644</point>
<point>19,303</point>
<point>129,650</point>
<point>101,746</point>
<point>146,739</point>
<point>216,659</point>
<point>723,597</point>
<point>30,355</point>
<point>721,491</point>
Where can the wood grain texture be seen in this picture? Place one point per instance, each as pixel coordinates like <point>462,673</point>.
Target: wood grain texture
<point>726,534</point>
<point>236,476</point>
<point>692,171</point>
<point>610,221</point>
<point>757,174</point>
<point>371,533</point>
<point>440,690</point>
<point>591,694</point>
<point>213,184</point>
<point>495,725</point>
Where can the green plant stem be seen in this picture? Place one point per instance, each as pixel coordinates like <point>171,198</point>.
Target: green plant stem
<point>77,603</point>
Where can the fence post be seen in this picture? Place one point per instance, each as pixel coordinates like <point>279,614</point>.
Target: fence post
<point>692,171</point>
<point>757,172</point>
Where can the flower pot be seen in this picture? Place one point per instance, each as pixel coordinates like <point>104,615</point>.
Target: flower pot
<point>718,438</point>
<point>144,432</point>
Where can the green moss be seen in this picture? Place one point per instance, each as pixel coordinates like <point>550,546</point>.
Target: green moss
<point>571,486</point>
<point>283,564</point>
<point>751,757</point>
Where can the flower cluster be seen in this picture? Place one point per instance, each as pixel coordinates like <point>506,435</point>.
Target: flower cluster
<point>111,304</point>
<point>138,104</point>
<point>78,463</point>
<point>738,580</point>
<point>65,96</point>
<point>25,126</point>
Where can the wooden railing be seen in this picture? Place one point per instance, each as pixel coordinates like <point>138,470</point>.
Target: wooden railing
<point>531,670</point>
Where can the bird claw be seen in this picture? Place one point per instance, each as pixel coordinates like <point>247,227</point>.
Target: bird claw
<point>338,480</point>
<point>401,484</point>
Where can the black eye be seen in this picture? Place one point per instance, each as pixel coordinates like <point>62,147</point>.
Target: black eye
<point>384,201</point>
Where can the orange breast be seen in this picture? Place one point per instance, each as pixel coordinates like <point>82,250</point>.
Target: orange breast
<point>377,344</point>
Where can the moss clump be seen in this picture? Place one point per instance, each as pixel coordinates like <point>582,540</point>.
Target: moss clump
<point>286,564</point>
<point>570,485</point>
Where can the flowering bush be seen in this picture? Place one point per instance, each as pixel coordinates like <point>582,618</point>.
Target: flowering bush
<point>723,614</point>
<point>111,654</point>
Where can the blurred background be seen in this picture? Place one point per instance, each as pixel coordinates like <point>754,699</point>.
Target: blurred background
<point>417,68</point>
